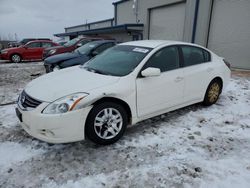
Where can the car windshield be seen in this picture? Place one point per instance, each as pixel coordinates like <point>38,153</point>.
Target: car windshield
<point>86,48</point>
<point>25,41</point>
<point>71,42</point>
<point>117,61</point>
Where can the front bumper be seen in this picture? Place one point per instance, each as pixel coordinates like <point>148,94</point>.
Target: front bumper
<point>4,56</point>
<point>48,68</point>
<point>54,128</point>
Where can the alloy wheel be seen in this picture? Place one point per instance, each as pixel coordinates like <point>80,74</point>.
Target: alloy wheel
<point>214,92</point>
<point>16,58</point>
<point>108,123</point>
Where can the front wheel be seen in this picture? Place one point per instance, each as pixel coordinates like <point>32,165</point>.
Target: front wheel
<point>15,58</point>
<point>106,123</point>
<point>212,93</point>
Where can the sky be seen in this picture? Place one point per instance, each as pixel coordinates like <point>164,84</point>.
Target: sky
<point>43,18</point>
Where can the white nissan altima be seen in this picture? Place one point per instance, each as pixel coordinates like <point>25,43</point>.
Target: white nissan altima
<point>126,84</point>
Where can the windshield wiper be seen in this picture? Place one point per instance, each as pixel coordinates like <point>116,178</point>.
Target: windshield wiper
<point>94,70</point>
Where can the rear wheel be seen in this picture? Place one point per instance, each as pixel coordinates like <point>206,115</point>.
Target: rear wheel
<point>106,123</point>
<point>15,58</point>
<point>213,92</point>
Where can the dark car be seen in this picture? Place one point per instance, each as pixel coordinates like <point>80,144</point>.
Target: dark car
<point>31,51</point>
<point>69,46</point>
<point>77,57</point>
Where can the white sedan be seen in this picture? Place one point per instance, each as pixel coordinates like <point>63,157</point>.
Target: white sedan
<point>126,84</point>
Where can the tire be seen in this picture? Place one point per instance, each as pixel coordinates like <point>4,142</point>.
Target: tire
<point>213,92</point>
<point>16,58</point>
<point>106,123</point>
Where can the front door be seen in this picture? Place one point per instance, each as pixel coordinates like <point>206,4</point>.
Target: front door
<point>158,93</point>
<point>33,51</point>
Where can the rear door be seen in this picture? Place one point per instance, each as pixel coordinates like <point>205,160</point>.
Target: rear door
<point>198,71</point>
<point>156,94</point>
<point>33,51</point>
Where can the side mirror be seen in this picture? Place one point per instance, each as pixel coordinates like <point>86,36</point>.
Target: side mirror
<point>150,71</point>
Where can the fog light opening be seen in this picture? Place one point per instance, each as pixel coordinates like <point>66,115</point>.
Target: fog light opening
<point>46,132</point>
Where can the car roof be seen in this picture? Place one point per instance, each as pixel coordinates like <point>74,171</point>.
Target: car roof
<point>96,37</point>
<point>39,41</point>
<point>102,41</point>
<point>154,43</point>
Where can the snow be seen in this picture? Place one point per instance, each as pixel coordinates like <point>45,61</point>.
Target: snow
<point>192,147</point>
<point>9,117</point>
<point>12,153</point>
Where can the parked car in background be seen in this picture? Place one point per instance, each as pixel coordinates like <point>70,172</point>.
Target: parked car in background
<point>31,51</point>
<point>69,46</point>
<point>61,43</point>
<point>123,85</point>
<point>79,56</point>
<point>24,41</point>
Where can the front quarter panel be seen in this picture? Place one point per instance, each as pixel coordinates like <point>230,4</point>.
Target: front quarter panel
<point>123,90</point>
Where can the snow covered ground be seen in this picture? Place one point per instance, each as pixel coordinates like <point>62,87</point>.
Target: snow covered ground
<point>191,147</point>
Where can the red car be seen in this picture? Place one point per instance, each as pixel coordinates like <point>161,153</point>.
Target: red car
<point>31,51</point>
<point>70,46</point>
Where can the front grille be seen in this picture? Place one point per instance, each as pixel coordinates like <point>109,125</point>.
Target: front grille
<point>27,101</point>
<point>48,68</point>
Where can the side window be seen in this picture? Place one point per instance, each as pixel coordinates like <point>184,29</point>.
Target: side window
<point>34,45</point>
<point>165,59</point>
<point>193,55</point>
<point>46,44</point>
<point>103,47</point>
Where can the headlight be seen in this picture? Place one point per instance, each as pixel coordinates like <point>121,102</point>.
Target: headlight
<point>52,52</point>
<point>56,68</point>
<point>65,104</point>
<point>4,52</point>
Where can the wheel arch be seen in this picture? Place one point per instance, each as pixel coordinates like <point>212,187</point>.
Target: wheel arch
<point>219,79</point>
<point>118,101</point>
<point>89,131</point>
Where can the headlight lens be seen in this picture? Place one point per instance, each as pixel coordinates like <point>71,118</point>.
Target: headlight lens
<point>4,52</point>
<point>65,104</point>
<point>52,52</point>
<point>56,68</point>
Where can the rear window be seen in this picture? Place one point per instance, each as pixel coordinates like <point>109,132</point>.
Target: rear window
<point>194,55</point>
<point>207,56</point>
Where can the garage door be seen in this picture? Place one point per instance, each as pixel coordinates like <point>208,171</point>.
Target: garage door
<point>167,22</point>
<point>229,33</point>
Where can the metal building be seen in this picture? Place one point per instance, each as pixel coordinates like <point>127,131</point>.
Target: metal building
<point>221,25</point>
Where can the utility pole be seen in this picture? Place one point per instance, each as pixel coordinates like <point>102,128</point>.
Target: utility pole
<point>16,38</point>
<point>135,8</point>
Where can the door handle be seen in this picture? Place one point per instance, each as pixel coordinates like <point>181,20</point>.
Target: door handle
<point>178,79</point>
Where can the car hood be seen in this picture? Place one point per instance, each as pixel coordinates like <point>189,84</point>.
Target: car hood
<point>55,85</point>
<point>9,49</point>
<point>61,57</point>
